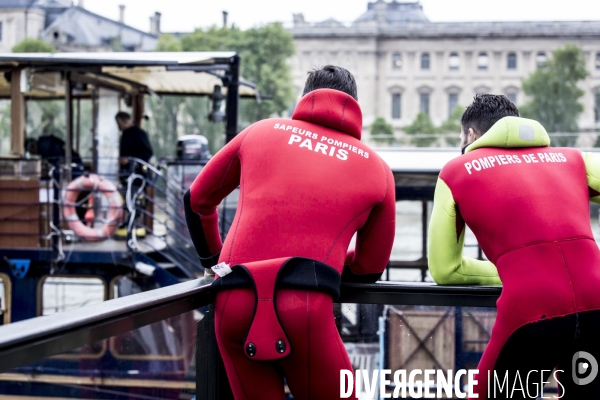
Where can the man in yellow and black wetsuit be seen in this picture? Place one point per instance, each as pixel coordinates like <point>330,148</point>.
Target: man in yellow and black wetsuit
<point>528,205</point>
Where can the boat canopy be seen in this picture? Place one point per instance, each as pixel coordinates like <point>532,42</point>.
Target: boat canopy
<point>178,73</point>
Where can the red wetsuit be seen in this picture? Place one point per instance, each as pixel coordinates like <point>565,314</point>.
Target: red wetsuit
<point>529,209</point>
<point>307,185</point>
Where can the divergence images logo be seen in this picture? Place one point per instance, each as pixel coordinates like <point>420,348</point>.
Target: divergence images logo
<point>584,367</point>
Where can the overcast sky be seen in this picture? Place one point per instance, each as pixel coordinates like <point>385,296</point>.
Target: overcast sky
<point>185,15</point>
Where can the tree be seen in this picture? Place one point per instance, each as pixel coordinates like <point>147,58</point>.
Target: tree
<point>168,42</point>
<point>31,45</point>
<point>381,131</point>
<point>422,125</point>
<point>264,51</point>
<point>164,123</point>
<point>554,91</point>
<point>452,126</point>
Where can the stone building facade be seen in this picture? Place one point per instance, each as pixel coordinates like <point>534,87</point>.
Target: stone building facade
<point>404,63</point>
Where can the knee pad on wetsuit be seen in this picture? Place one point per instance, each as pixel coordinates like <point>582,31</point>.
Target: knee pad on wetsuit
<point>266,339</point>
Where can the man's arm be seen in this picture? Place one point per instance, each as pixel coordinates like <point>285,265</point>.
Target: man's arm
<point>446,240</point>
<point>374,240</point>
<point>592,169</point>
<point>218,178</point>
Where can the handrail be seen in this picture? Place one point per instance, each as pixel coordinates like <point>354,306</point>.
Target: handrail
<point>27,341</point>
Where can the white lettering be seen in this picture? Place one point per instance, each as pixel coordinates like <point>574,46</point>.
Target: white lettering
<point>346,376</point>
<point>428,383</point>
<point>400,384</point>
<point>468,166</point>
<point>471,382</point>
<point>370,385</point>
<point>321,147</point>
<point>307,143</point>
<point>460,394</point>
<point>444,382</point>
<point>342,154</point>
<point>412,383</point>
<point>383,382</point>
<point>294,139</point>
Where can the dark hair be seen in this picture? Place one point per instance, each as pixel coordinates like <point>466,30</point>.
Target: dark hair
<point>123,116</point>
<point>331,77</point>
<point>485,111</point>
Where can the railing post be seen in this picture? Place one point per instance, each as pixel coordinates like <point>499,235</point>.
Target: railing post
<point>459,361</point>
<point>211,378</point>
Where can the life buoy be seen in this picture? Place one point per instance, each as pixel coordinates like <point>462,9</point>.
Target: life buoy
<point>92,183</point>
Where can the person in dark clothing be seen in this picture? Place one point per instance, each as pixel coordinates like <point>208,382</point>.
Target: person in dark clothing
<point>134,143</point>
<point>134,140</point>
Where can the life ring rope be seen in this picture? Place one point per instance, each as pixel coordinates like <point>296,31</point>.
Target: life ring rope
<point>92,183</point>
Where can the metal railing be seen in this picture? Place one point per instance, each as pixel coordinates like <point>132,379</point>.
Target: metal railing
<point>158,207</point>
<point>24,342</point>
<point>583,140</point>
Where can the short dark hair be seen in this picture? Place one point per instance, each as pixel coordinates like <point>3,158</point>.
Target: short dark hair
<point>485,111</point>
<point>123,116</point>
<point>331,77</point>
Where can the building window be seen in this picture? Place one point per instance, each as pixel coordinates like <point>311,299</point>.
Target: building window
<point>452,102</point>
<point>483,61</point>
<point>424,103</point>
<point>396,106</point>
<point>540,59</point>
<point>597,60</point>
<point>511,61</point>
<point>512,97</point>
<point>397,61</point>
<point>425,61</point>
<point>454,61</point>
<point>597,107</point>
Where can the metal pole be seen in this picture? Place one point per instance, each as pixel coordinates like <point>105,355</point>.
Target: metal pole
<point>68,125</point>
<point>95,141</point>
<point>233,98</point>
<point>424,237</point>
<point>211,378</point>
<point>17,114</point>
<point>78,137</point>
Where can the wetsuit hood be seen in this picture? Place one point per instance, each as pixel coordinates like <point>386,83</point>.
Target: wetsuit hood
<point>331,108</point>
<point>513,132</point>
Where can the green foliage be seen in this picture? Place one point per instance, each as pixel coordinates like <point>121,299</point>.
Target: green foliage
<point>168,42</point>
<point>31,45</point>
<point>422,125</point>
<point>4,127</point>
<point>163,125</point>
<point>554,92</point>
<point>453,126</point>
<point>381,131</point>
<point>264,52</point>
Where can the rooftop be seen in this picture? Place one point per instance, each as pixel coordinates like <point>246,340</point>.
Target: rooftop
<point>85,28</point>
<point>394,12</point>
<point>35,3</point>
<point>406,19</point>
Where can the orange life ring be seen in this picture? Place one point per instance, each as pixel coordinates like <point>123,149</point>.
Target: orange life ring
<point>90,183</point>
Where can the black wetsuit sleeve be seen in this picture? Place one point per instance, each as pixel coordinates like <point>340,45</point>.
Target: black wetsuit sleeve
<point>197,234</point>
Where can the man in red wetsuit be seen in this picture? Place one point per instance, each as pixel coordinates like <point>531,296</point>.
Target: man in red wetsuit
<point>528,206</point>
<point>307,185</point>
